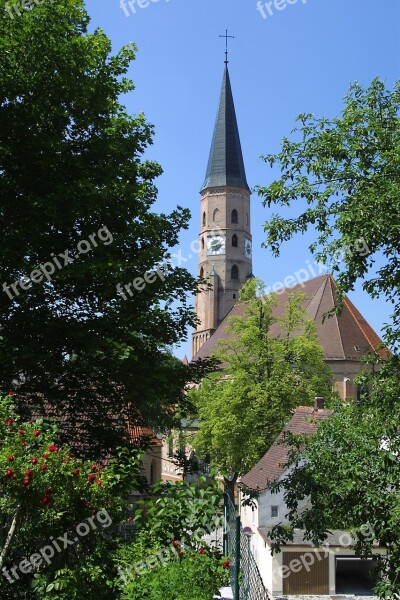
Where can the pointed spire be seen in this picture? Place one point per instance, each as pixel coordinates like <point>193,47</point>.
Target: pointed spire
<point>225,164</point>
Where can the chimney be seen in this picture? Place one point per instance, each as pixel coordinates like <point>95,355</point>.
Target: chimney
<point>319,402</point>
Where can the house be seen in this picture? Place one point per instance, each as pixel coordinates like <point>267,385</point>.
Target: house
<point>299,568</point>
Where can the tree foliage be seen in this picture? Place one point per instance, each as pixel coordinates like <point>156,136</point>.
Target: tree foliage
<point>57,508</point>
<point>270,365</point>
<point>341,178</point>
<point>181,511</point>
<point>72,171</point>
<point>343,174</point>
<point>350,473</point>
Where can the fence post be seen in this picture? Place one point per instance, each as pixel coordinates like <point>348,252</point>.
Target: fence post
<point>226,516</point>
<point>236,591</point>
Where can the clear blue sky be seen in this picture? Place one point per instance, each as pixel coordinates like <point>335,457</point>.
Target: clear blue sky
<point>301,59</point>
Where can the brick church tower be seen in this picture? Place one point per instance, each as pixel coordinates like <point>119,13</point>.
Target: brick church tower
<point>225,256</point>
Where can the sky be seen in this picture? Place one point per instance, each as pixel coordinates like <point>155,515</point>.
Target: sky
<point>295,56</point>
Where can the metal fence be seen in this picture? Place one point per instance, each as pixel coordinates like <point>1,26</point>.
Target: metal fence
<point>245,578</point>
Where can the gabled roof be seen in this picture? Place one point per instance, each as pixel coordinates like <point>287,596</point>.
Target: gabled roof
<point>343,337</point>
<point>273,463</point>
<point>225,164</point>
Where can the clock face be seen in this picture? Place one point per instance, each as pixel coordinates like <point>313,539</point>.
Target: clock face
<point>216,244</point>
<point>247,248</point>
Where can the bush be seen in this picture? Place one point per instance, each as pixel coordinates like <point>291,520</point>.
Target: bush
<point>59,509</point>
<point>188,576</point>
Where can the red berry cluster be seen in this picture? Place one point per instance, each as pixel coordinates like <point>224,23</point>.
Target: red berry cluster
<point>92,477</point>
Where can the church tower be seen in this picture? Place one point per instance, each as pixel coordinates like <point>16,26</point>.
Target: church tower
<point>225,246</point>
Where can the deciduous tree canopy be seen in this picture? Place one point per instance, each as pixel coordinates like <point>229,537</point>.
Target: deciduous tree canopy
<point>76,218</point>
<point>343,174</point>
<point>243,407</point>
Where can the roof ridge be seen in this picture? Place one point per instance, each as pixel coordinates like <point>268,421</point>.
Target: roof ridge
<point>331,286</point>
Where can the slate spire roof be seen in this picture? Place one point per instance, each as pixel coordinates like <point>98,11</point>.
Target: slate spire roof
<point>343,337</point>
<point>225,165</point>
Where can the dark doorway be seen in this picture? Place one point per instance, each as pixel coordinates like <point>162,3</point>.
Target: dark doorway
<point>353,576</point>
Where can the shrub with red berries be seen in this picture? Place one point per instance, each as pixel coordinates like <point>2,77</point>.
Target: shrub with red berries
<point>52,489</point>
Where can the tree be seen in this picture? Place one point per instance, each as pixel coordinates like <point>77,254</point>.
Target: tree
<point>270,365</point>
<point>77,226</point>
<point>346,172</point>
<point>359,447</point>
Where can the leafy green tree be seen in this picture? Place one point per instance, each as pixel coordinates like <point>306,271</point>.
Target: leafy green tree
<point>76,218</point>
<point>346,172</point>
<point>181,512</point>
<point>341,178</point>
<point>270,365</point>
<point>350,472</point>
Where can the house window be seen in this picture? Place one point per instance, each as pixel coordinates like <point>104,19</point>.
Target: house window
<point>202,243</point>
<point>234,272</point>
<point>274,511</point>
<point>234,217</point>
<point>234,241</point>
<point>201,272</point>
<point>204,218</point>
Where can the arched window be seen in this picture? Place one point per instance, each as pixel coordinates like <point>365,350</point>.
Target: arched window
<point>234,217</point>
<point>202,243</point>
<point>204,218</point>
<point>247,218</point>
<point>201,272</point>
<point>234,241</point>
<point>235,272</point>
<point>216,215</point>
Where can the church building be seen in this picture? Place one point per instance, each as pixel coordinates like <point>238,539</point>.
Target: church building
<point>225,261</point>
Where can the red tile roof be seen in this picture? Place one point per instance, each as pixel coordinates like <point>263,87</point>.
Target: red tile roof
<point>142,435</point>
<point>273,463</point>
<point>343,337</point>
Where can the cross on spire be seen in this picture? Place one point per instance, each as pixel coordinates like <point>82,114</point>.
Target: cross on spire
<point>226,36</point>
